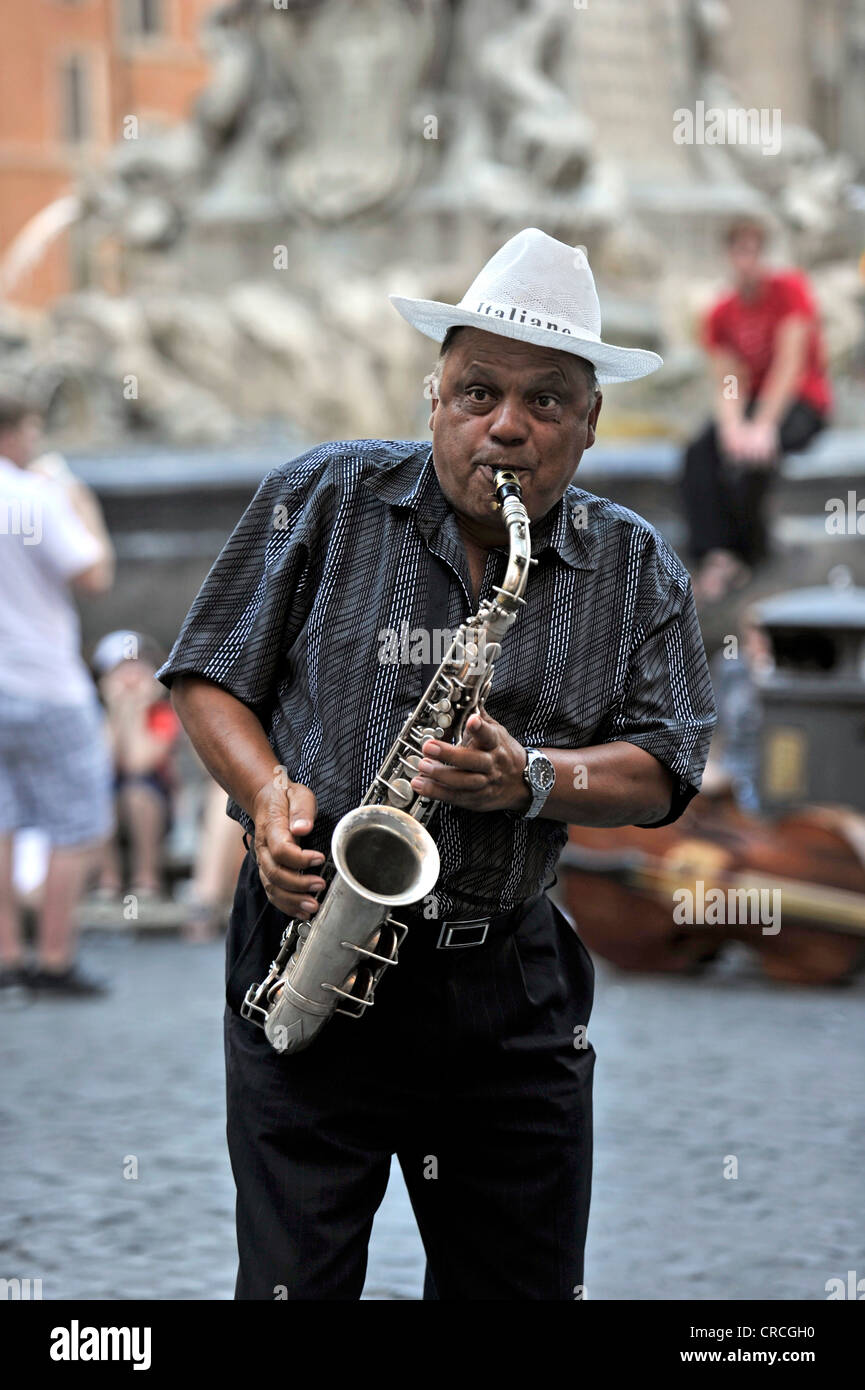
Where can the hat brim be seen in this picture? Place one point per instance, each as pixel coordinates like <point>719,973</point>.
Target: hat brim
<point>611,363</point>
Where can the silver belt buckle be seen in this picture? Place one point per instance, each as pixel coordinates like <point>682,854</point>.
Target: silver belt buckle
<point>460,933</point>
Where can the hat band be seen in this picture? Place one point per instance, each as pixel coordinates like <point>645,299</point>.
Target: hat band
<point>515,313</point>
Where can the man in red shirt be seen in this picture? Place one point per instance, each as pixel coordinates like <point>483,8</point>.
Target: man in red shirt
<point>772,396</point>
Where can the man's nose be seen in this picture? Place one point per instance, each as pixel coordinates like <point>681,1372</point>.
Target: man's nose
<point>509,424</point>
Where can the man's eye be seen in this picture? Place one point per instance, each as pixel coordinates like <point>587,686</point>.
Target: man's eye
<point>477,392</point>
<point>545,399</point>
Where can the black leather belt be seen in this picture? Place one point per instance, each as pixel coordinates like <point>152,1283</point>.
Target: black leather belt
<point>461,933</point>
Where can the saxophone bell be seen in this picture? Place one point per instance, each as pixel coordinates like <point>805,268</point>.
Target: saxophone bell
<point>383,859</point>
<point>385,855</point>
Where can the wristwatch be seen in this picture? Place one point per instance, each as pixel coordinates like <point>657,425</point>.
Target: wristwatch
<point>539,776</point>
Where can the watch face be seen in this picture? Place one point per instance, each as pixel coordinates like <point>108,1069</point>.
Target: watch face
<point>541,773</point>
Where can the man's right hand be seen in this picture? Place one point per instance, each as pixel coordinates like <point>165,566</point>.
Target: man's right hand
<point>282,816</point>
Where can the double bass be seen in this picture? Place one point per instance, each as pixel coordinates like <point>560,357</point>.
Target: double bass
<point>628,890</point>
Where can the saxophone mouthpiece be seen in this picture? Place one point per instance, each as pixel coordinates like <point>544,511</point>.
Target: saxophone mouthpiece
<point>506,484</point>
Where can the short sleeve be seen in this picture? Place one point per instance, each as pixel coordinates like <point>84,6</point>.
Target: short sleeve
<point>67,547</point>
<point>667,706</point>
<point>257,596</point>
<point>796,299</point>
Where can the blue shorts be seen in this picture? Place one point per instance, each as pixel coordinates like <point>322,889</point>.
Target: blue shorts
<point>55,770</point>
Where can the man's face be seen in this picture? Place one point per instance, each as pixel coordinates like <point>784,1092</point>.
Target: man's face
<point>507,404</point>
<point>746,258</point>
<point>128,678</point>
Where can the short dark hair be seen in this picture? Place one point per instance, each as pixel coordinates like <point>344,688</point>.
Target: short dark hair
<point>447,340</point>
<point>14,407</point>
<point>743,227</point>
<point>455,328</point>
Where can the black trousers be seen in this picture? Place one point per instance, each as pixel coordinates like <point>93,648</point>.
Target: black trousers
<point>471,1066</point>
<point>725,503</point>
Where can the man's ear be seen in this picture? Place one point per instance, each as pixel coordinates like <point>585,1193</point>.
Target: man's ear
<point>593,420</point>
<point>434,400</point>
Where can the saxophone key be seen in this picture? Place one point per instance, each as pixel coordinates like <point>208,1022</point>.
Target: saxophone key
<point>399,792</point>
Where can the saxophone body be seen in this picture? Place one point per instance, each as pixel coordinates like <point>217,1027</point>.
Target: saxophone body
<point>382,855</point>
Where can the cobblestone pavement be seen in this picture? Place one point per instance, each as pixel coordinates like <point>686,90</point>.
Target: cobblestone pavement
<point>688,1074</point>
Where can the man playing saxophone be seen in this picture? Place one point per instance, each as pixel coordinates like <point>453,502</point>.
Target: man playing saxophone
<point>473,1065</point>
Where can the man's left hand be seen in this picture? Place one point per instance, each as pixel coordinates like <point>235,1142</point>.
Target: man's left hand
<point>484,774</point>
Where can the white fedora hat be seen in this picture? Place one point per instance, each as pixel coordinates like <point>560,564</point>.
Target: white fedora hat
<point>540,291</point>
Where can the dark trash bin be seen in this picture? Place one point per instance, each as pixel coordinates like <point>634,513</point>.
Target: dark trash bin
<point>812,745</point>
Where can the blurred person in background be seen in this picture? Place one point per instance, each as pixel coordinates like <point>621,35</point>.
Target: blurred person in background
<point>733,766</point>
<point>54,763</point>
<point>219,856</point>
<point>143,732</point>
<point>772,396</point>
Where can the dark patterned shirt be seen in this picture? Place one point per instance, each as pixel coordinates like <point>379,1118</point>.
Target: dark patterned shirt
<point>332,559</point>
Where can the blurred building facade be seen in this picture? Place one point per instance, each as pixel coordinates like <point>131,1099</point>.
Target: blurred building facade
<point>73,72</point>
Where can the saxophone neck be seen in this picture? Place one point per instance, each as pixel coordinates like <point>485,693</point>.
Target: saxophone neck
<point>510,498</point>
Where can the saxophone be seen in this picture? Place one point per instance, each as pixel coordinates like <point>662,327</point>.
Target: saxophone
<point>382,856</point>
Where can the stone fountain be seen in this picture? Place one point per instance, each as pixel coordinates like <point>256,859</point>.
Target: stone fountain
<point>235,268</point>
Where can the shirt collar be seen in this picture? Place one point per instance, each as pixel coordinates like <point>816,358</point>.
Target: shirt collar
<point>411,482</point>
